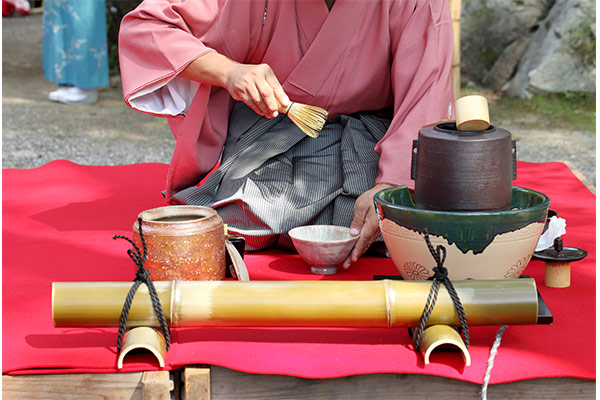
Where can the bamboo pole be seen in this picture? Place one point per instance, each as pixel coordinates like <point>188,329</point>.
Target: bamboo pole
<point>455,13</point>
<point>294,303</point>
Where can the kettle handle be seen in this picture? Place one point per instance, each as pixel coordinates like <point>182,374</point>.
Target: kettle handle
<point>414,159</point>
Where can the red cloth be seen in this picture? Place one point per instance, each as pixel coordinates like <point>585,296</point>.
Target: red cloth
<point>58,223</point>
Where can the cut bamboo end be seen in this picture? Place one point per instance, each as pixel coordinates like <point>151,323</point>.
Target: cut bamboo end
<point>144,338</point>
<point>472,114</point>
<point>557,275</point>
<point>442,336</point>
<point>310,119</point>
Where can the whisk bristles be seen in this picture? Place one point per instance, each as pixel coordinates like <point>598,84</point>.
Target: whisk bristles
<point>310,119</point>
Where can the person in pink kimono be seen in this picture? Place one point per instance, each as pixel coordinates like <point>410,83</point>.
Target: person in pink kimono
<point>217,69</point>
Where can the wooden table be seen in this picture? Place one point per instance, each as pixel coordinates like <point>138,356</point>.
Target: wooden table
<point>211,382</point>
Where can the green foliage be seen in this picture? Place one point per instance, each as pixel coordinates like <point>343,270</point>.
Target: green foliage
<point>583,42</point>
<point>482,18</point>
<point>488,57</point>
<point>115,11</point>
<point>567,110</point>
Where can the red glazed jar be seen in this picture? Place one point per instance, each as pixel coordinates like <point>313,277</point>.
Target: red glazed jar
<point>183,242</point>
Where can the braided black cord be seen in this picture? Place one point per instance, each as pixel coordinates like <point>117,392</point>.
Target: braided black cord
<point>142,275</point>
<point>440,276</point>
<point>431,299</point>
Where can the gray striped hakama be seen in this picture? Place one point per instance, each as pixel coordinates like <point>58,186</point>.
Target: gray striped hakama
<point>273,177</point>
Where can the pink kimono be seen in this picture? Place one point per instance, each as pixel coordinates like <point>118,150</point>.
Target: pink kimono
<point>363,55</point>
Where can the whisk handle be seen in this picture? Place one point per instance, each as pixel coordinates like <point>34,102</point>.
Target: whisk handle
<point>285,109</point>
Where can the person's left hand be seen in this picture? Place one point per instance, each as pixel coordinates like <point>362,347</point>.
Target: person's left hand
<point>364,223</point>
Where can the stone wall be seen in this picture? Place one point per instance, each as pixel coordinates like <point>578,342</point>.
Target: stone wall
<point>529,46</point>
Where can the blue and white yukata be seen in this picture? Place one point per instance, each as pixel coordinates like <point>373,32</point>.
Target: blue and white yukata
<point>74,44</point>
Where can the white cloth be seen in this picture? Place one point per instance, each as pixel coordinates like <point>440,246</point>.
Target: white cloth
<point>556,228</point>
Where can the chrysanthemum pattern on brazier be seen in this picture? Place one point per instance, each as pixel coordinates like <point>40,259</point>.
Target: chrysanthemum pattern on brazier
<point>491,263</point>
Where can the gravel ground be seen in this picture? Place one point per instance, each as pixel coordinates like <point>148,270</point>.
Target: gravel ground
<point>36,131</point>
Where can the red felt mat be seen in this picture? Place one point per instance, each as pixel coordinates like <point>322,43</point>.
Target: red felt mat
<point>58,223</point>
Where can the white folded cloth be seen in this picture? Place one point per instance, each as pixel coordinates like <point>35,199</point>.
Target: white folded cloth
<point>556,228</point>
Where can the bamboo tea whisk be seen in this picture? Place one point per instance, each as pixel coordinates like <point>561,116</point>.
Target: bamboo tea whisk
<point>310,119</point>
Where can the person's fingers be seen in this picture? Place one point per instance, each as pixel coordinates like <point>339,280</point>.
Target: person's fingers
<point>242,93</point>
<point>257,86</point>
<point>268,98</point>
<point>347,262</point>
<point>280,96</point>
<point>369,232</point>
<point>242,85</point>
<point>256,98</point>
<point>360,212</point>
<point>250,103</point>
<point>365,223</point>
<point>264,80</point>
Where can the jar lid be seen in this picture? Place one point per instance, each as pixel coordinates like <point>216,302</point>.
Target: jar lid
<point>560,254</point>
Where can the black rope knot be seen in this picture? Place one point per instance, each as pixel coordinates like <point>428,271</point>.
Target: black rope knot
<point>142,275</point>
<point>440,276</point>
<point>440,273</point>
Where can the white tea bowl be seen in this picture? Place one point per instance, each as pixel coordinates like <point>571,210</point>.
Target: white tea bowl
<point>323,247</point>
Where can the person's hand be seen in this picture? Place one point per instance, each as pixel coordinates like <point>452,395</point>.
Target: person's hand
<point>254,84</point>
<point>258,87</point>
<point>364,223</point>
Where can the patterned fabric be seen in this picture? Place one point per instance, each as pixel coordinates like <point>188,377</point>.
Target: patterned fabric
<point>273,177</point>
<point>74,47</point>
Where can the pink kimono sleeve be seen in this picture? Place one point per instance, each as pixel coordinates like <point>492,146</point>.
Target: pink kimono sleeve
<point>156,41</point>
<point>422,58</point>
<point>159,39</point>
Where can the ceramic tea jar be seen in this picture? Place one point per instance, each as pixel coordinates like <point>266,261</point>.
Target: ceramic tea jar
<point>463,171</point>
<point>183,242</point>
